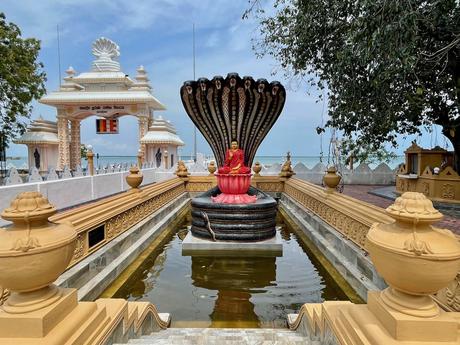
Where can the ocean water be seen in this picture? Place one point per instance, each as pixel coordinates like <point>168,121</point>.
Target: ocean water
<point>102,161</point>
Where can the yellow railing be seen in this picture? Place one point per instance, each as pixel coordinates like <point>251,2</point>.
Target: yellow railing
<point>349,216</point>
<point>114,215</point>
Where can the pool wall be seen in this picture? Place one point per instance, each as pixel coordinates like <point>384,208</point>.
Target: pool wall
<point>94,273</point>
<point>347,258</point>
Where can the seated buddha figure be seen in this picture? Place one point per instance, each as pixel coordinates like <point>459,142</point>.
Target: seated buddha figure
<point>234,161</point>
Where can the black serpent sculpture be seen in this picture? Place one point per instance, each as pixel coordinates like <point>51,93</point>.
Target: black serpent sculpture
<point>233,108</point>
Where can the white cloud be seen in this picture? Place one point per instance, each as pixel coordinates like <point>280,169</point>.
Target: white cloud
<point>157,34</point>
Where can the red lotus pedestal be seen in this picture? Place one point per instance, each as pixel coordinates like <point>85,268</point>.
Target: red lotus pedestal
<point>234,189</point>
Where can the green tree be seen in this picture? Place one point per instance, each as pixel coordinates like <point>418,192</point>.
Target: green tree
<point>83,151</point>
<point>21,80</point>
<point>389,66</point>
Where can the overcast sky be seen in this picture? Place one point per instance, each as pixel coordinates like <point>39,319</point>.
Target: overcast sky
<point>158,35</point>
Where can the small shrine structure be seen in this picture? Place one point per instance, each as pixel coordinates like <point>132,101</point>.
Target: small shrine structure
<point>42,143</point>
<point>106,91</point>
<point>429,171</point>
<point>161,143</point>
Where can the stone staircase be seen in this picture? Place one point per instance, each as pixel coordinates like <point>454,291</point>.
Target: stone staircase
<point>222,336</point>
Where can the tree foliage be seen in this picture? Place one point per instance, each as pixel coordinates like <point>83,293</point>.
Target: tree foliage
<point>21,79</point>
<point>83,151</point>
<point>389,66</point>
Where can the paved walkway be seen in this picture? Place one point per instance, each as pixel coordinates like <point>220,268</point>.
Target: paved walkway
<point>361,192</point>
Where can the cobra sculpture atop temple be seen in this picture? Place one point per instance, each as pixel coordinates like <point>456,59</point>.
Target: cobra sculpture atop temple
<point>234,115</point>
<point>233,109</point>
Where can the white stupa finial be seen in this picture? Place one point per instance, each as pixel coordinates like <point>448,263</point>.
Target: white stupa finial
<point>141,76</point>
<point>70,71</point>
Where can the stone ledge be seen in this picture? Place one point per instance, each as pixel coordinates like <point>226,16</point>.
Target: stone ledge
<point>193,245</point>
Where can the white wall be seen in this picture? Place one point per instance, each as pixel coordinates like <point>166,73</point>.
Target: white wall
<point>73,191</point>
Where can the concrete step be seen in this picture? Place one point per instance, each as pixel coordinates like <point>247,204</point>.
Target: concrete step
<point>222,336</point>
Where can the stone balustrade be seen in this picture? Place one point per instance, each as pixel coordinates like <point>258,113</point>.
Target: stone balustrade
<point>351,217</point>
<point>362,174</point>
<point>100,222</point>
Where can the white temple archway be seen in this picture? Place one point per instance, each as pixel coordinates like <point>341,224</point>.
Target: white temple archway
<point>105,91</point>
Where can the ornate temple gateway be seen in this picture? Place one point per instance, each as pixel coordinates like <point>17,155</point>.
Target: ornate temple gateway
<point>106,91</point>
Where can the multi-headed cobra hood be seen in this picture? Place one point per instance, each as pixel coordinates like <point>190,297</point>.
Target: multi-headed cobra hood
<point>233,108</point>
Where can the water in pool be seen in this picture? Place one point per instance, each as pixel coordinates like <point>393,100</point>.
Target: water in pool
<point>206,291</point>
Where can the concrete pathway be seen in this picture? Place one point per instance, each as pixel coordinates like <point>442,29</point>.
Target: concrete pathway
<point>365,193</point>
<point>222,336</point>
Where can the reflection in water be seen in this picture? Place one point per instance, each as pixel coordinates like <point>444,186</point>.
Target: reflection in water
<point>229,291</point>
<point>236,279</point>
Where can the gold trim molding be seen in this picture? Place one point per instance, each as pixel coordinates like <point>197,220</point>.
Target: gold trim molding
<point>351,217</point>
<point>117,213</point>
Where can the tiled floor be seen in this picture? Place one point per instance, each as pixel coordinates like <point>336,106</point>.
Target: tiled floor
<point>361,192</point>
<point>222,336</point>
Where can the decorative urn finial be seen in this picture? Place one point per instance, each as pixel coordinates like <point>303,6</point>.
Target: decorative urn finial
<point>331,179</point>
<point>212,168</point>
<point>257,168</point>
<point>33,253</point>
<point>181,170</point>
<point>134,179</point>
<point>415,258</point>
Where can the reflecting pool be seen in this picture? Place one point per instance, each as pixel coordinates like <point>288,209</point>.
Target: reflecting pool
<point>223,291</point>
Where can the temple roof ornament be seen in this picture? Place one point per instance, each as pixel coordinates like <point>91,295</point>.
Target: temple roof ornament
<point>142,80</point>
<point>70,72</point>
<point>105,83</point>
<point>40,131</point>
<point>106,53</point>
<point>162,132</point>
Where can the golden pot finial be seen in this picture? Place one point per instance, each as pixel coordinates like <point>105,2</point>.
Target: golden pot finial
<point>33,253</point>
<point>413,257</point>
<point>257,168</point>
<point>135,177</point>
<point>181,170</point>
<point>212,168</point>
<point>412,206</point>
<point>331,179</point>
<point>29,207</point>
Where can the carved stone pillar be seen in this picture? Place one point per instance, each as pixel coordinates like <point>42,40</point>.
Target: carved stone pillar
<point>75,151</point>
<point>165,158</point>
<point>150,119</point>
<point>90,157</point>
<point>143,128</point>
<point>63,137</point>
